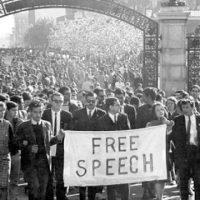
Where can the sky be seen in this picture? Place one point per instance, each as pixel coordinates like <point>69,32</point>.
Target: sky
<point>6,25</point>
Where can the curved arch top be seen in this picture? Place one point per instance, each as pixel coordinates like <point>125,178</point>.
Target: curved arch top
<point>107,7</point>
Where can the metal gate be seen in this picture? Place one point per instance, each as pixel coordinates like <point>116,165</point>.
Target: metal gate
<point>193,62</point>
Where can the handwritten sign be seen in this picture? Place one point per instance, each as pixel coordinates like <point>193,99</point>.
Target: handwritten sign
<point>115,157</point>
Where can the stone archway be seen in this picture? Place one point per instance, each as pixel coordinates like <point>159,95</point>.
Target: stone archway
<point>109,8</point>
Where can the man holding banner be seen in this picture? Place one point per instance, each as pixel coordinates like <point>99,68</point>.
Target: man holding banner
<point>85,120</point>
<point>114,121</point>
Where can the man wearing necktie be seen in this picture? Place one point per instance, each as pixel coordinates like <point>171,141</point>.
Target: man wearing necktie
<point>60,121</point>
<point>85,119</point>
<point>186,138</point>
<point>114,121</point>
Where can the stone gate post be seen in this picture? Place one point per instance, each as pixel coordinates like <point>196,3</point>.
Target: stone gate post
<point>173,71</point>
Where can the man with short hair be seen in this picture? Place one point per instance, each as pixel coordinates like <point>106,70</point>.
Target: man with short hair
<point>114,120</point>
<point>101,95</point>
<point>68,105</point>
<point>195,93</point>
<point>34,139</point>
<point>60,120</point>
<point>126,108</point>
<point>85,119</point>
<point>12,116</point>
<point>186,138</point>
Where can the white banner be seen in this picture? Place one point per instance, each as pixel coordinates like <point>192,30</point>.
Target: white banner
<point>115,157</point>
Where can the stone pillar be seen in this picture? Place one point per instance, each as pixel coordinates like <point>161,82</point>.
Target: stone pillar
<point>173,31</point>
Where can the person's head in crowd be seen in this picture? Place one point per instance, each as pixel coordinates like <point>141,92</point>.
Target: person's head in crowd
<point>140,96</point>
<point>12,109</point>
<point>49,93</point>
<point>2,109</point>
<point>19,100</point>
<point>181,94</point>
<point>36,110</point>
<point>149,95</point>
<point>91,100</point>
<point>158,111</point>
<point>120,94</point>
<point>74,94</point>
<point>135,101</point>
<point>81,96</point>
<point>162,93</point>
<point>101,95</point>
<point>109,93</point>
<point>3,98</point>
<point>27,97</point>
<point>171,104</point>
<point>66,92</point>
<point>195,92</point>
<point>57,100</point>
<point>159,98</point>
<point>112,105</point>
<point>187,107</point>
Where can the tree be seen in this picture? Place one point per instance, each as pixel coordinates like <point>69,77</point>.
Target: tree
<point>37,36</point>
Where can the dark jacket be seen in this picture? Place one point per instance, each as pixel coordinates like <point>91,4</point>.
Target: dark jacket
<point>105,123</point>
<point>25,133</point>
<point>65,124</point>
<point>179,138</point>
<point>81,122</point>
<point>131,112</point>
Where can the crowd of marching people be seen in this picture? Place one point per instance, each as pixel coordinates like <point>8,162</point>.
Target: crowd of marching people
<point>37,105</point>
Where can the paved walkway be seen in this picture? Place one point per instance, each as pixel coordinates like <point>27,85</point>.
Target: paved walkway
<point>171,193</point>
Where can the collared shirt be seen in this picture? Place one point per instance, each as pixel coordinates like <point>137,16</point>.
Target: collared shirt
<point>193,129</point>
<point>92,111</point>
<point>113,117</point>
<point>35,123</point>
<point>122,108</point>
<point>57,122</point>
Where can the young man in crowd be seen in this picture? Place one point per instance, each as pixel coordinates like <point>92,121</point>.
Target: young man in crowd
<point>126,108</point>
<point>68,104</point>
<point>114,120</point>
<point>60,120</point>
<point>85,119</point>
<point>186,138</point>
<point>12,116</point>
<point>195,93</point>
<point>34,137</point>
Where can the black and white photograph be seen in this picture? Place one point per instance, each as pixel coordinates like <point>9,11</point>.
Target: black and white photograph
<point>99,99</point>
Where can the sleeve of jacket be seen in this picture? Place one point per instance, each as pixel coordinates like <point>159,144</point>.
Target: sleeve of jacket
<point>133,117</point>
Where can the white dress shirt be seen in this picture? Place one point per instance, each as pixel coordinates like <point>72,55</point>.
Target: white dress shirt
<point>54,147</point>
<point>57,122</point>
<point>92,112</point>
<point>113,117</point>
<point>193,129</point>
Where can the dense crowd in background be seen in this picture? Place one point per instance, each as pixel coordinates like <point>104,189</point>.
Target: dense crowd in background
<point>31,76</point>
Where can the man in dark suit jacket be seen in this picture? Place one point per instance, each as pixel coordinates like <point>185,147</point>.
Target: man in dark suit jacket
<point>85,119</point>
<point>34,138</point>
<point>60,120</point>
<point>126,108</point>
<point>186,138</point>
<point>68,104</point>
<point>114,121</point>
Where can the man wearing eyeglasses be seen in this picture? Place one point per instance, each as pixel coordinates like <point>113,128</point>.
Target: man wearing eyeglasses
<point>85,119</point>
<point>60,120</point>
